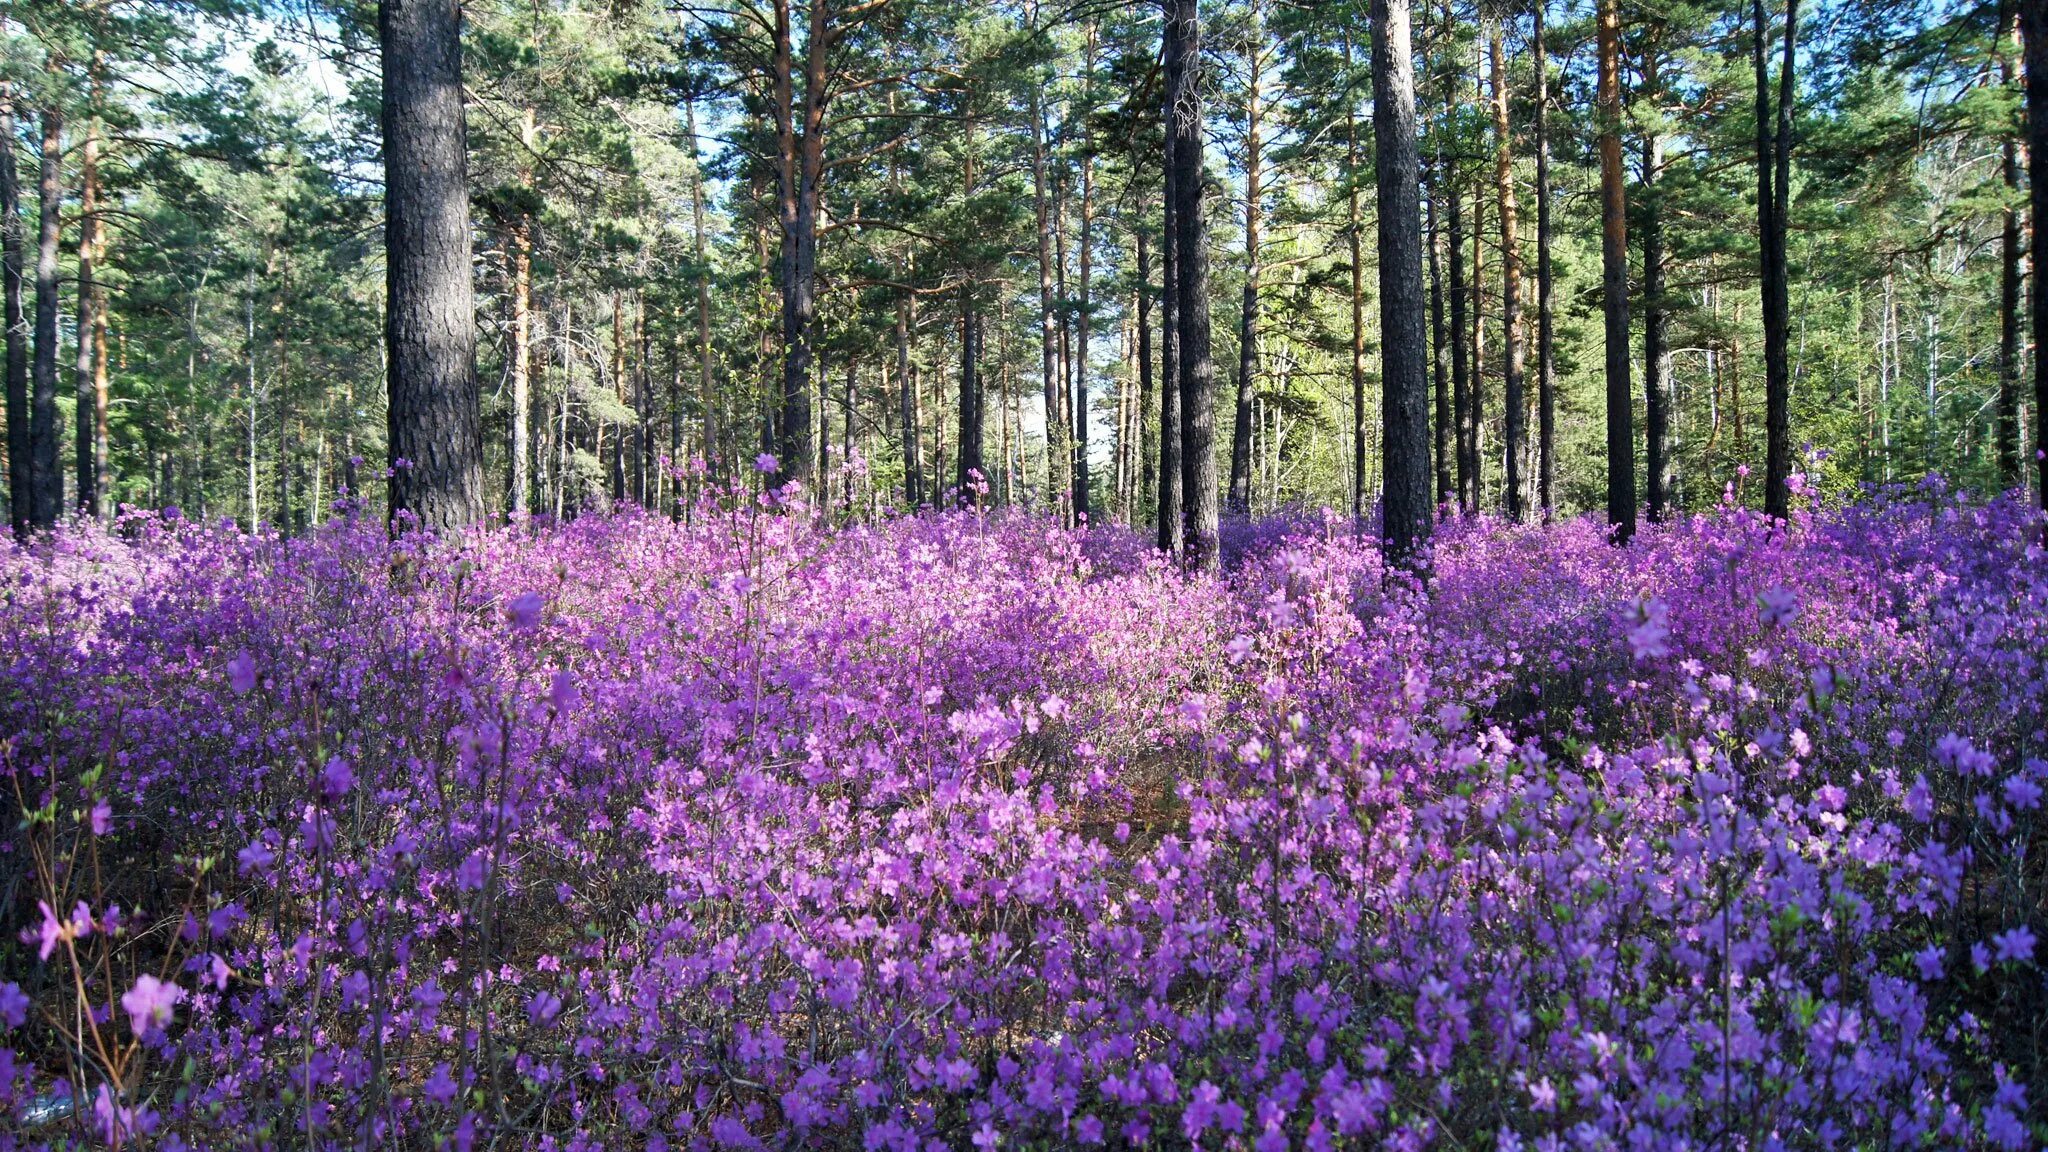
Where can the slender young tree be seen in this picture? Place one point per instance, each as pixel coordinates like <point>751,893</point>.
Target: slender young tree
<point>1621,440</point>
<point>1403,347</point>
<point>436,438</point>
<point>1172,520</point>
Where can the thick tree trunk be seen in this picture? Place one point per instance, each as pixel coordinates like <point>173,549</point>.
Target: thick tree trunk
<point>1546,314</point>
<point>1461,348</point>
<point>1657,461</point>
<point>1197,366</point>
<point>1084,241</point>
<point>49,478</point>
<point>1048,332</point>
<point>1354,237</point>
<point>435,432</point>
<point>1172,519</point>
<point>800,142</point>
<point>20,473</point>
<point>913,450</point>
<point>86,416</point>
<point>707,399</point>
<point>1403,351</point>
<point>521,255</point>
<point>2034,36</point>
<point>1475,431</point>
<point>1248,316</point>
<point>1774,160</point>
<point>1511,279</point>
<point>1438,353</point>
<point>2010,474</point>
<point>1621,441</point>
<point>1147,450</point>
<point>967,461</point>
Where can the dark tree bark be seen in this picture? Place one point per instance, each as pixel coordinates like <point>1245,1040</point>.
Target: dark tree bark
<point>87,413</point>
<point>20,474</point>
<point>1546,313</point>
<point>1461,348</point>
<point>1172,522</point>
<point>969,472</point>
<point>1248,314</point>
<point>800,171</point>
<point>2010,473</point>
<point>1147,450</point>
<point>1510,279</point>
<point>1197,366</point>
<point>1657,399</point>
<point>1438,352</point>
<point>913,449</point>
<point>1354,238</point>
<point>1048,320</point>
<point>1403,375</point>
<point>1773,174</point>
<point>2034,36</point>
<point>49,479</point>
<point>1621,440</point>
<point>1084,242</point>
<point>430,325</point>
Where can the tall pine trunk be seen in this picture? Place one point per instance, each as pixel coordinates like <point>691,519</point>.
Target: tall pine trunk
<point>520,253</point>
<point>1197,365</point>
<point>1147,449</point>
<point>2009,472</point>
<point>2034,37</point>
<point>1354,236</point>
<point>1248,317</point>
<point>1546,313</point>
<point>430,326</point>
<point>1172,519</point>
<point>1403,379</point>
<point>1511,278</point>
<point>49,479</point>
<point>20,474</point>
<point>87,414</point>
<point>1773,173</point>
<point>1621,440</point>
<point>1657,400</point>
<point>1438,352</point>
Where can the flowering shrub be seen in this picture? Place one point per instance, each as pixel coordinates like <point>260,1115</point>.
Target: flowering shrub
<point>963,830</point>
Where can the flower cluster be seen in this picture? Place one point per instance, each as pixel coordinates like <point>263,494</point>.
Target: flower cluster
<point>967,830</point>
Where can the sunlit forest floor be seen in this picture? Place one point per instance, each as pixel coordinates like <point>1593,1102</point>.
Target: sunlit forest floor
<point>964,830</point>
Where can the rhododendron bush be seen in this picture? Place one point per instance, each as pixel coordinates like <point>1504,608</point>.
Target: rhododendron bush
<point>964,830</point>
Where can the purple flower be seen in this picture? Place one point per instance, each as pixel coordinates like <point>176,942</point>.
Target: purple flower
<point>543,1008</point>
<point>524,611</point>
<point>440,1086</point>
<point>242,673</point>
<point>13,1005</point>
<point>336,779</point>
<point>765,462</point>
<point>562,693</point>
<point>2016,945</point>
<point>102,820</point>
<point>149,1003</point>
<point>1778,607</point>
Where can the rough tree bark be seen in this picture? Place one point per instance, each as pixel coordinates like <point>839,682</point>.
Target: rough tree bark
<point>1248,317</point>
<point>1621,440</point>
<point>20,476</point>
<point>1511,276</point>
<point>1773,174</point>
<point>1403,379</point>
<point>1197,366</point>
<point>1172,523</point>
<point>49,479</point>
<point>435,432</point>
<point>2034,36</point>
<point>1546,313</point>
<point>1657,400</point>
<point>2010,473</point>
